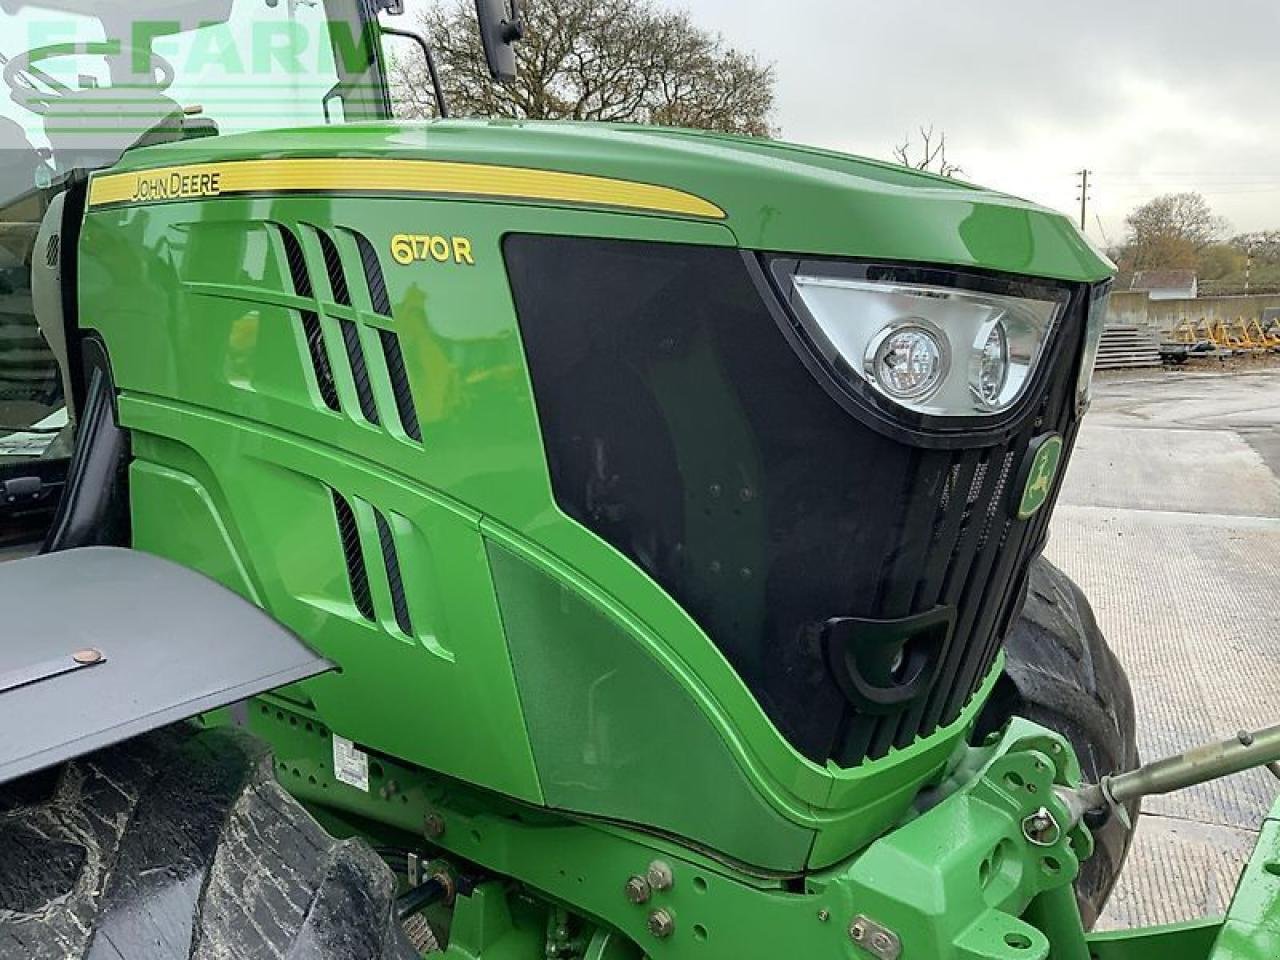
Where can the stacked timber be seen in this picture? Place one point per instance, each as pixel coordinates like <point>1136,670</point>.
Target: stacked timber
<point>1124,346</point>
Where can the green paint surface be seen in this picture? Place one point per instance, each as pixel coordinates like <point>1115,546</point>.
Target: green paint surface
<point>232,431</point>
<point>777,197</point>
<point>238,457</point>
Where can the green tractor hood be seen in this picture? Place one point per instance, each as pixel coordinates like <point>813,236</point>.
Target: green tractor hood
<point>772,196</point>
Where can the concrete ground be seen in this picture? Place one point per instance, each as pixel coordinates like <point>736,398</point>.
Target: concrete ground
<point>1170,521</point>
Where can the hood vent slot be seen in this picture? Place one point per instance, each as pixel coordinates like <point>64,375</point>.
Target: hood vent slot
<point>357,574</point>
<point>311,329</point>
<point>400,385</point>
<point>399,603</point>
<point>333,266</point>
<point>359,371</point>
<point>377,283</point>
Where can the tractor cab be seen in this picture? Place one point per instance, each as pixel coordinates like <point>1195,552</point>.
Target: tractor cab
<point>86,82</point>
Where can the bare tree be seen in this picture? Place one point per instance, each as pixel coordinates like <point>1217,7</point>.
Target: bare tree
<point>1186,216</point>
<point>932,156</point>
<point>608,60</point>
<point>1170,231</point>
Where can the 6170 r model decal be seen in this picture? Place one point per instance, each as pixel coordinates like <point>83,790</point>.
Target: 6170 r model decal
<point>408,248</point>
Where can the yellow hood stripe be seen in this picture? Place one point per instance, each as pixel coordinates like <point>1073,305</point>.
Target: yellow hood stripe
<point>396,177</point>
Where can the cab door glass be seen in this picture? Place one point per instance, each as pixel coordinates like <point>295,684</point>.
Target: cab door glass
<point>35,429</point>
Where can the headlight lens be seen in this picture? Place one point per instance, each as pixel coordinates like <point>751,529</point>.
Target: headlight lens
<point>909,360</point>
<point>936,350</point>
<point>991,364</point>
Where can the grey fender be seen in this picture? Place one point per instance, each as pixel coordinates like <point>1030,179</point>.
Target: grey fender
<point>101,644</point>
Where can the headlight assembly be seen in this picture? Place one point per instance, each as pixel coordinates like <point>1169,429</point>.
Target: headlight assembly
<point>1098,305</point>
<point>938,350</point>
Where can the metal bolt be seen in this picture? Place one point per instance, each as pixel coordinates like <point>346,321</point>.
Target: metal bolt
<point>660,876</point>
<point>1041,829</point>
<point>637,889</point>
<point>661,924</point>
<point>824,915</point>
<point>876,939</point>
<point>1245,738</point>
<point>433,825</point>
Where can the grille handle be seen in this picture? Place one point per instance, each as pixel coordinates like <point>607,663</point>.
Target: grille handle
<point>884,666</point>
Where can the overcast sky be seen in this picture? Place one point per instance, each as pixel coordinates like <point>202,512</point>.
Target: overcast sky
<point>1152,96</point>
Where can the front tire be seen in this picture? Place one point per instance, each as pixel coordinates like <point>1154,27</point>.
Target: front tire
<point>1060,673</point>
<point>180,844</point>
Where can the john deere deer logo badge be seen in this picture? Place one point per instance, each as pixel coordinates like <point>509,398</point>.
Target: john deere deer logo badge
<point>1043,458</point>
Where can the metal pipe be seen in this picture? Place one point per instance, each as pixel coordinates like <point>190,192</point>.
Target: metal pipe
<point>1198,765</point>
<point>1213,760</point>
<point>442,106</point>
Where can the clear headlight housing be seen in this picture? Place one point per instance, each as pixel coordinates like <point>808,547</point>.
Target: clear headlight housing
<point>1097,320</point>
<point>938,350</point>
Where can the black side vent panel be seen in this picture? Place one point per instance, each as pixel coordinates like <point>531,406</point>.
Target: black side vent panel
<point>365,368</point>
<point>333,266</point>
<point>373,275</point>
<point>391,350</point>
<point>357,574</point>
<point>311,328</point>
<point>399,603</point>
<point>400,385</point>
<point>297,264</point>
<point>359,371</point>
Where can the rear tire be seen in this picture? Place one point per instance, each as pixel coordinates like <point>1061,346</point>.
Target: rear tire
<point>1060,673</point>
<point>180,844</point>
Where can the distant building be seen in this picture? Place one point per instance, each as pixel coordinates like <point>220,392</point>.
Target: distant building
<point>1165,284</point>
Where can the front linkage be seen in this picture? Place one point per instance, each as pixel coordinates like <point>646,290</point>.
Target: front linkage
<point>982,870</point>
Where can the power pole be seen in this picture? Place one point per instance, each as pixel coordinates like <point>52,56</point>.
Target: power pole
<point>1084,194</point>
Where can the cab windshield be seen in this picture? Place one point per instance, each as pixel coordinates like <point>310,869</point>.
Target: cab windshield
<point>82,76</point>
<point>85,80</point>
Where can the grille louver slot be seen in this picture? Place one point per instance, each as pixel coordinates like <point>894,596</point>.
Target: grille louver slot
<point>380,301</point>
<point>359,371</point>
<point>373,277</point>
<point>357,574</point>
<point>311,328</point>
<point>399,603</point>
<point>333,266</point>
<point>400,385</point>
<point>332,246</point>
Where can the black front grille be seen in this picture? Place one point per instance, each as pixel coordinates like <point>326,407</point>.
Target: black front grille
<point>682,426</point>
<point>968,553</point>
